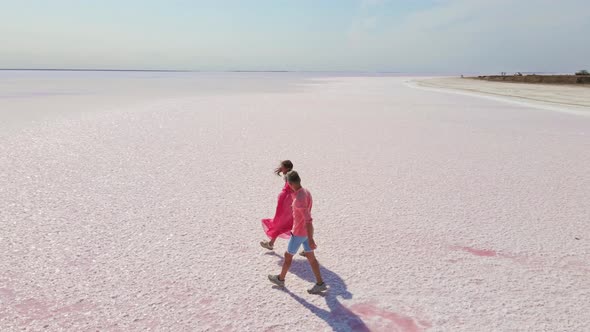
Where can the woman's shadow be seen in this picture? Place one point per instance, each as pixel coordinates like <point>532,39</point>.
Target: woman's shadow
<point>338,317</point>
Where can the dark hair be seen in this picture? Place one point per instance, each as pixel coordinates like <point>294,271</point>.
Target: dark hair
<point>285,163</point>
<point>293,177</point>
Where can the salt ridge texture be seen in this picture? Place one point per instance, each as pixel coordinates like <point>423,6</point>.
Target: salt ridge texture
<point>433,212</point>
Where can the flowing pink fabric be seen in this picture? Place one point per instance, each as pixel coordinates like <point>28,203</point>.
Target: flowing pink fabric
<point>282,223</point>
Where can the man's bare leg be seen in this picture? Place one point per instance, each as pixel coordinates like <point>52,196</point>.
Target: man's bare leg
<point>315,266</point>
<point>286,265</point>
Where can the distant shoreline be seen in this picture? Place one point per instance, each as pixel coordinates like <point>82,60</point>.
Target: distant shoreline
<point>573,98</point>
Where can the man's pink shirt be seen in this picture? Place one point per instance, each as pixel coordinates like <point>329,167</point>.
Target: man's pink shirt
<point>302,203</point>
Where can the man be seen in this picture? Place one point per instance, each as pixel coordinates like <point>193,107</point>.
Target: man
<point>302,234</point>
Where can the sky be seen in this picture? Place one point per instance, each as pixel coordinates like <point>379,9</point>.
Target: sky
<point>434,36</point>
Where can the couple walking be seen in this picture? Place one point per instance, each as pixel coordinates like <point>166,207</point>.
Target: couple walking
<point>293,220</point>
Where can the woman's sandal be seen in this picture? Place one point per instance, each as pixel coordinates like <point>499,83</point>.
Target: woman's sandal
<point>266,244</point>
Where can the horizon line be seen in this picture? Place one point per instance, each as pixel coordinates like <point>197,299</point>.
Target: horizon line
<point>204,71</point>
<point>264,71</point>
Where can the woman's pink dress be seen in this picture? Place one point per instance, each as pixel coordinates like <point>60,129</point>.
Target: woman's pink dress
<point>282,223</point>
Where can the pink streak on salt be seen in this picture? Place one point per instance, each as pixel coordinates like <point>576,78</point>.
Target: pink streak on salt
<point>477,252</point>
<point>480,252</point>
<point>397,322</point>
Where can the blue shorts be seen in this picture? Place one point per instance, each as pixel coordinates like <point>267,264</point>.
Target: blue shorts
<point>295,242</point>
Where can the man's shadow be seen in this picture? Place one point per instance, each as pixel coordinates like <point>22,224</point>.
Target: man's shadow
<point>338,317</point>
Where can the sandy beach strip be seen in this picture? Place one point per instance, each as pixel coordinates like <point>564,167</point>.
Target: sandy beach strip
<point>557,97</point>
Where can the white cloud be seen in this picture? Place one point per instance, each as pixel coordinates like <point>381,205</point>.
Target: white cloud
<point>528,35</point>
<point>361,27</point>
<point>371,3</point>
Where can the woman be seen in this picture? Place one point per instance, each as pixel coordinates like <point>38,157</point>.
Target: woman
<point>281,224</point>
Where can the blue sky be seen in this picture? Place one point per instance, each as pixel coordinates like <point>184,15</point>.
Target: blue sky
<point>332,35</point>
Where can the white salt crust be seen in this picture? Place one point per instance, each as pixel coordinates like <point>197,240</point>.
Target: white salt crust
<point>432,211</point>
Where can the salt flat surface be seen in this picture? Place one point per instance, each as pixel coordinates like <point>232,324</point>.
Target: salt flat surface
<point>433,211</point>
<point>36,96</point>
